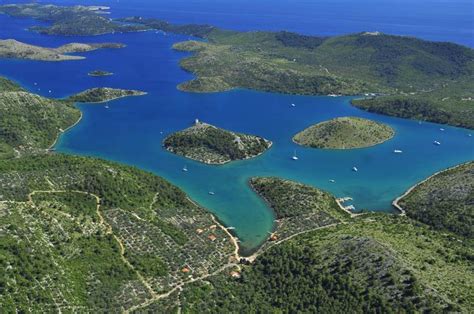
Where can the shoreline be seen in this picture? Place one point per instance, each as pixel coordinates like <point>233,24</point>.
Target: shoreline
<point>51,147</point>
<point>398,199</point>
<point>112,99</point>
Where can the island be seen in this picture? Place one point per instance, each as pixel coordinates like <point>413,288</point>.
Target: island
<point>103,94</point>
<point>398,75</point>
<point>75,20</point>
<point>443,201</point>
<point>10,48</point>
<point>211,145</point>
<point>344,133</point>
<point>99,73</point>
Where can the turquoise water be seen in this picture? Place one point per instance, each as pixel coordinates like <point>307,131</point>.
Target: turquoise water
<point>132,129</point>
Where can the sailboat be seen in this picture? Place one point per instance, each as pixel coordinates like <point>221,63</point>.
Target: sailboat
<point>185,168</point>
<point>106,105</point>
<point>294,156</point>
<point>355,169</point>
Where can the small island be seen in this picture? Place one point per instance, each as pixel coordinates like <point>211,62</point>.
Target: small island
<point>211,145</point>
<point>344,133</point>
<point>103,94</point>
<point>99,73</point>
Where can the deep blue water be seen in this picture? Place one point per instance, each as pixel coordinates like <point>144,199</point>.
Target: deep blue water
<point>130,130</point>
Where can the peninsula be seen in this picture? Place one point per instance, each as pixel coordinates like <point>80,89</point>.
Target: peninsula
<point>103,94</point>
<point>344,133</point>
<point>11,48</point>
<point>99,73</point>
<point>211,145</point>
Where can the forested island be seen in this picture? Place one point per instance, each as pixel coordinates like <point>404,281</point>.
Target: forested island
<point>11,48</point>
<point>344,133</point>
<point>99,73</point>
<point>103,94</point>
<point>211,145</point>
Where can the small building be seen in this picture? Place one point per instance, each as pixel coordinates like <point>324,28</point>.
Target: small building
<point>199,231</point>
<point>212,237</point>
<point>185,270</point>
<point>213,227</point>
<point>273,237</point>
<point>235,274</point>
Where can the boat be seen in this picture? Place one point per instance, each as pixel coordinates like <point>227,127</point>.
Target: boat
<point>185,168</point>
<point>294,156</point>
<point>106,105</point>
<point>397,151</point>
<point>211,193</point>
<point>441,129</point>
<point>293,105</point>
<point>469,135</point>
<point>355,169</point>
<point>437,143</point>
<point>332,181</point>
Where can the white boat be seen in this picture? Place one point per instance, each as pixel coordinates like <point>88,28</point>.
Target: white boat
<point>469,135</point>
<point>294,156</point>
<point>185,168</point>
<point>49,91</point>
<point>106,106</point>
<point>332,181</point>
<point>293,105</point>
<point>397,151</point>
<point>211,193</point>
<point>437,143</point>
<point>441,129</point>
<point>355,169</point>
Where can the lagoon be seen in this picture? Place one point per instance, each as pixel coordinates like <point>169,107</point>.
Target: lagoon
<point>131,130</point>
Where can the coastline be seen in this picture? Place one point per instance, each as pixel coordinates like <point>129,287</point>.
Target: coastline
<point>112,99</point>
<point>65,130</point>
<point>398,199</point>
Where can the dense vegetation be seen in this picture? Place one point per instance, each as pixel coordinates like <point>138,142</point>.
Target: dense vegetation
<point>376,264</point>
<point>209,144</point>
<point>196,30</point>
<point>344,133</point>
<point>431,79</point>
<point>29,122</point>
<point>292,199</point>
<point>8,86</point>
<point>90,235</point>
<point>103,94</point>
<point>68,20</point>
<point>451,104</point>
<point>445,201</point>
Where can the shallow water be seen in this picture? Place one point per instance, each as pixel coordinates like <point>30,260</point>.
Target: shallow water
<point>132,129</point>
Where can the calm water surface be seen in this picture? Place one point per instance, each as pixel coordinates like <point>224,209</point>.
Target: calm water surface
<point>132,129</point>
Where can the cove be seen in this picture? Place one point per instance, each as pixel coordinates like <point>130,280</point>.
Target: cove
<point>132,129</point>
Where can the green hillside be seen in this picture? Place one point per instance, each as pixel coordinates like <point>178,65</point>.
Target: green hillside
<point>29,122</point>
<point>83,234</point>
<point>445,201</point>
<point>344,133</point>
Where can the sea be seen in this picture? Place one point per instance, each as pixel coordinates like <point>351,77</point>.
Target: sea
<point>132,129</point>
